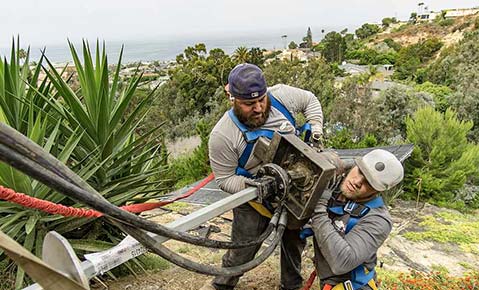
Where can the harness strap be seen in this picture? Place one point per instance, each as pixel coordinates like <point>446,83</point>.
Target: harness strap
<point>280,107</point>
<point>347,286</point>
<point>251,136</point>
<point>360,276</point>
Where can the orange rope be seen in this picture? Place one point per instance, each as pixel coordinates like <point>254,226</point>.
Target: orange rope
<point>53,208</point>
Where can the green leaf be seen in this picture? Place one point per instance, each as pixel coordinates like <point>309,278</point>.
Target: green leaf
<point>12,219</point>
<point>28,245</point>
<point>31,223</point>
<point>90,245</point>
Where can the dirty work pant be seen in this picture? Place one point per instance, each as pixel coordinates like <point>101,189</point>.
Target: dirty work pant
<point>248,224</point>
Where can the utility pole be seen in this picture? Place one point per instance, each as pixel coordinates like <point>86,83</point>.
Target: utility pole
<point>284,37</point>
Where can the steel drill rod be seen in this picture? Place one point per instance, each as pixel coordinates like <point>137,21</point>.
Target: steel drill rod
<point>129,248</point>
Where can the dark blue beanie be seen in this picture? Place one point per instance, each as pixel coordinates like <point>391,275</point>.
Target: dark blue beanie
<point>246,81</point>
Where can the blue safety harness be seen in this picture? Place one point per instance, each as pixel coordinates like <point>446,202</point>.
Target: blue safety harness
<point>359,277</point>
<point>252,135</point>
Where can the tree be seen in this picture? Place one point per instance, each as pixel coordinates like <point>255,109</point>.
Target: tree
<point>413,18</point>
<point>394,105</point>
<point>333,47</point>
<point>307,40</point>
<point>411,58</point>
<point>353,107</point>
<point>256,56</point>
<point>441,94</point>
<point>316,76</point>
<point>190,94</point>
<point>241,55</point>
<point>388,21</point>
<point>367,30</point>
<point>442,160</point>
<point>292,45</point>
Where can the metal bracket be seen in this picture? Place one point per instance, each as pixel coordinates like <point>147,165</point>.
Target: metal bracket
<point>59,254</point>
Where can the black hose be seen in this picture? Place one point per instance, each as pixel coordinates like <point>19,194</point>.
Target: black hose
<point>176,259</point>
<point>72,187</point>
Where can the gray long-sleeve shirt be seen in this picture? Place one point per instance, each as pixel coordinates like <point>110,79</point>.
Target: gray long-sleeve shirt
<point>337,254</point>
<point>227,143</point>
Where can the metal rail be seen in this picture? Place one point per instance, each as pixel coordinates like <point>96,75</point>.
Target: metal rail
<point>129,248</point>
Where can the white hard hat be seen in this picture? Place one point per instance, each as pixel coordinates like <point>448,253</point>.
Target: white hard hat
<point>381,168</point>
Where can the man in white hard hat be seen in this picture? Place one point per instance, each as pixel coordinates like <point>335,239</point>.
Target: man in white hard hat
<point>350,222</point>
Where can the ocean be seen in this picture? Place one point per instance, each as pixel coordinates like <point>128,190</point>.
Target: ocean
<point>167,48</point>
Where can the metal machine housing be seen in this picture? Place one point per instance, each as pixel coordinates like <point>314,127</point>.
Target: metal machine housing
<point>309,171</point>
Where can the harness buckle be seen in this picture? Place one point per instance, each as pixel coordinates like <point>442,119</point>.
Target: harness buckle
<point>348,285</point>
<point>349,207</point>
<point>356,210</point>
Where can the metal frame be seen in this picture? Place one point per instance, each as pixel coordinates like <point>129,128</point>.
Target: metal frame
<point>129,248</point>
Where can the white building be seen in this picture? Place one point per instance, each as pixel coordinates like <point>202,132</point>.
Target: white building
<point>460,12</point>
<point>448,13</point>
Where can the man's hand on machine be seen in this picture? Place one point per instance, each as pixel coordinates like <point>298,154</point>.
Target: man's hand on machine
<point>333,158</point>
<point>317,140</point>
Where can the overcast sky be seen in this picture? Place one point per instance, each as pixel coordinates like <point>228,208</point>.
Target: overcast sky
<point>53,21</point>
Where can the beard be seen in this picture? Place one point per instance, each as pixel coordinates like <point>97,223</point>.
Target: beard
<point>252,120</point>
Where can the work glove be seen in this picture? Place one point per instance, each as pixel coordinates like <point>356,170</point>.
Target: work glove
<point>317,140</point>
<point>322,204</point>
<point>306,231</point>
<point>333,158</point>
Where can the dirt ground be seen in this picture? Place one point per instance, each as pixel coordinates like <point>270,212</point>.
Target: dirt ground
<point>397,254</point>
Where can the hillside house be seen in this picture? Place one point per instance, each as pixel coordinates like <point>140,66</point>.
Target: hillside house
<point>448,13</point>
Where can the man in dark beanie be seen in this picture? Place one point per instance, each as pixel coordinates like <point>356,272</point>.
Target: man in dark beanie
<point>262,110</point>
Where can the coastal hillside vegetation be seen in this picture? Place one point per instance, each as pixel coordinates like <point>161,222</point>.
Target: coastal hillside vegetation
<point>111,128</point>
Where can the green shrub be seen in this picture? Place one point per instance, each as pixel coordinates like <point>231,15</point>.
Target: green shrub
<point>446,22</point>
<point>90,129</point>
<point>440,93</point>
<point>448,227</point>
<point>443,159</point>
<point>458,67</point>
<point>392,44</point>
<point>367,30</point>
<point>401,28</point>
<point>371,56</point>
<point>343,138</point>
<point>413,57</point>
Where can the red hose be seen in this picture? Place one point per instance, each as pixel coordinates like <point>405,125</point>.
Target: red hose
<point>53,208</point>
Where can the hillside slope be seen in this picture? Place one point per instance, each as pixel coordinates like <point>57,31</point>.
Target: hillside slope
<point>415,243</point>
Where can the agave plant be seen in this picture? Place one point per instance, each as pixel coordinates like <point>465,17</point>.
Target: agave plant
<point>23,107</point>
<point>90,130</point>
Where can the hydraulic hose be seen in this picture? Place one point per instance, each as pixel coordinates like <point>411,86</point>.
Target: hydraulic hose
<point>178,260</point>
<point>26,156</point>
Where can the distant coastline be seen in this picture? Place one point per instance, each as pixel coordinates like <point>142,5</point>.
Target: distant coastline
<point>166,49</point>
